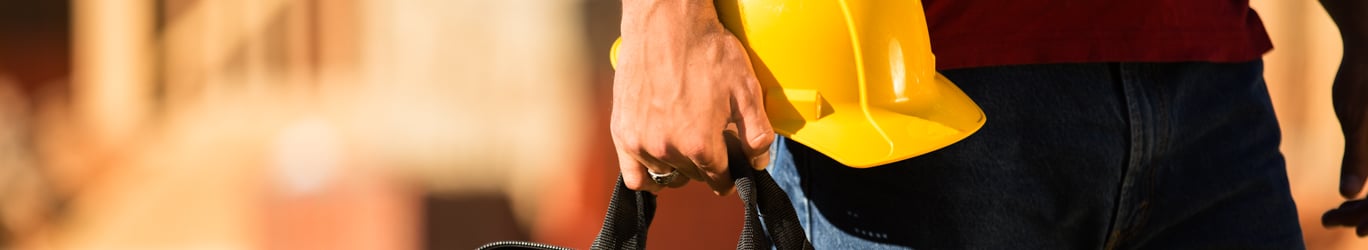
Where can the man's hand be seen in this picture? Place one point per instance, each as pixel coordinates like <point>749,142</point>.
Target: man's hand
<point>682,80</point>
<point>1351,107</point>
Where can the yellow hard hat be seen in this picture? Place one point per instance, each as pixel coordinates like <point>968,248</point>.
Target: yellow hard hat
<point>852,79</point>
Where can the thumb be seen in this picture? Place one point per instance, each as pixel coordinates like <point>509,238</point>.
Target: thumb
<point>753,127</point>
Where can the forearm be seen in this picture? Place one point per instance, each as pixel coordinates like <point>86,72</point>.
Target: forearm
<point>1352,18</point>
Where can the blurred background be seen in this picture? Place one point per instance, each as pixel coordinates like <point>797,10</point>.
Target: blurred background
<point>394,124</point>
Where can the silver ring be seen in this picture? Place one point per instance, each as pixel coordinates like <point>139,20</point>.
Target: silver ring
<point>662,179</point>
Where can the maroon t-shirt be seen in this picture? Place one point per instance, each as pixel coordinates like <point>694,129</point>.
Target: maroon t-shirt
<point>975,33</point>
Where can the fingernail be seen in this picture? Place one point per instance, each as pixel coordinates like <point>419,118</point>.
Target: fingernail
<point>724,193</point>
<point>760,162</point>
<point>1350,185</point>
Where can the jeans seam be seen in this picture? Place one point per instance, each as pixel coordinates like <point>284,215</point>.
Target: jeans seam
<point>804,170</point>
<point>1157,147</point>
<point>1135,103</point>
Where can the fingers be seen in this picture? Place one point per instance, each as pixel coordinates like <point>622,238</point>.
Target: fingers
<point>1350,214</point>
<point>1351,180</point>
<point>711,160</point>
<point>1354,168</point>
<point>678,182</point>
<point>1347,97</point>
<point>1361,230</point>
<point>753,125</point>
<point>634,174</point>
<point>654,167</point>
<point>704,160</point>
<point>675,161</point>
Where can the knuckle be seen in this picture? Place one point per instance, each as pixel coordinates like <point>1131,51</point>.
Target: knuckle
<point>762,139</point>
<point>615,129</point>
<point>692,149</point>
<point>656,149</point>
<point>753,88</point>
<point>712,167</point>
<point>620,129</point>
<point>626,143</point>
<point>755,112</point>
<point>700,154</point>
<point>621,135</point>
<point>704,162</point>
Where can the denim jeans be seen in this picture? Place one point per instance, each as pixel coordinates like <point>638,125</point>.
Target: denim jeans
<point>1073,156</point>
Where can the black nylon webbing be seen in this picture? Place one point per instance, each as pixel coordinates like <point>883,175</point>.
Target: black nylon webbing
<point>780,220</point>
<point>629,217</point>
<point>630,212</point>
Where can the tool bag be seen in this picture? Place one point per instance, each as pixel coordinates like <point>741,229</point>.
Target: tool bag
<point>630,213</point>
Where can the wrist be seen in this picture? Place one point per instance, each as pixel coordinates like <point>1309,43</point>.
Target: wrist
<point>683,18</point>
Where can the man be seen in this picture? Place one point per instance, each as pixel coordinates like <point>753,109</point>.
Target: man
<point>1125,124</point>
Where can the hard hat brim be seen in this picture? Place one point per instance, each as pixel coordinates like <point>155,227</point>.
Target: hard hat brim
<point>867,137</point>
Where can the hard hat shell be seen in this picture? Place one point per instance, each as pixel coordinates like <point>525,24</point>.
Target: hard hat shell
<point>852,79</point>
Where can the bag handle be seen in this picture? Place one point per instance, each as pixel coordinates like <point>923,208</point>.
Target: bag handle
<point>630,212</point>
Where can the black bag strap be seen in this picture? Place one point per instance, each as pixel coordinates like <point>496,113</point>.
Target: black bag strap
<point>629,216</point>
<point>785,231</point>
<point>630,212</point>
